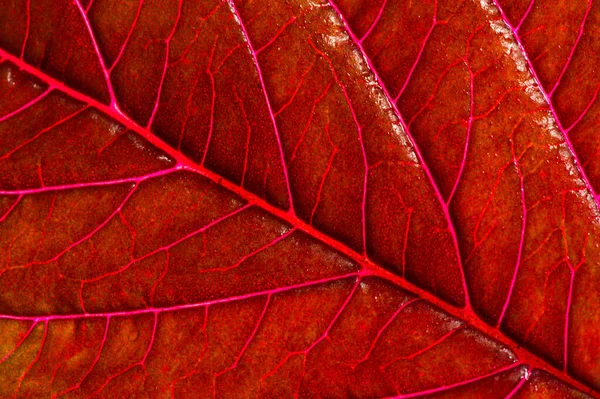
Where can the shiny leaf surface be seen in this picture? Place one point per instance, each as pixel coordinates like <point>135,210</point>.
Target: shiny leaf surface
<point>293,198</point>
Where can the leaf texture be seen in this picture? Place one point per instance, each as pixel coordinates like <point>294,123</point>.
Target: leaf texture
<point>295,198</point>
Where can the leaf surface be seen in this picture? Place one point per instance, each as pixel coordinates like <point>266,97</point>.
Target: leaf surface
<point>242,199</point>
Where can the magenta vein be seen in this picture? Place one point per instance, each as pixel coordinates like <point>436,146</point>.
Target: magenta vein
<point>297,89</point>
<point>276,36</point>
<point>26,105</point>
<point>573,48</point>
<point>517,387</point>
<point>248,136</point>
<point>468,138</point>
<point>427,348</point>
<point>419,55</point>
<point>41,132</point>
<point>524,17</point>
<point>122,50</point>
<point>458,384</point>
<point>108,315</point>
<point>251,254</point>
<point>94,362</point>
<point>250,338</point>
<point>238,18</point>
<point>375,22</point>
<point>521,240</point>
<point>165,66</point>
<point>335,318</point>
<point>211,302</point>
<point>9,354</point>
<point>416,149</point>
<point>86,20</point>
<point>567,316</point>
<point>73,186</point>
<point>152,338</point>
<point>173,244</point>
<point>213,98</point>
<point>305,351</point>
<point>24,46</point>
<point>585,110</point>
<point>182,161</point>
<point>93,232</point>
<point>384,327</point>
<point>362,148</point>
<point>89,7</point>
<point>37,357</point>
<point>10,209</point>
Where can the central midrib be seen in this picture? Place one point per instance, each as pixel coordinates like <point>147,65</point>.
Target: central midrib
<point>369,268</point>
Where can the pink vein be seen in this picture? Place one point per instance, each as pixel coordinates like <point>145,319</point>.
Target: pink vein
<point>427,348</point>
<point>91,184</point>
<point>521,241</point>
<point>27,29</point>
<point>568,61</point>
<point>238,18</point>
<point>375,22</point>
<point>211,302</point>
<point>415,147</point>
<point>458,384</point>
<point>37,357</point>
<point>524,17</point>
<point>165,66</point>
<point>250,338</point>
<point>384,327</point>
<point>421,50</point>
<point>585,111</point>
<point>183,239</point>
<point>152,338</point>
<point>122,50</point>
<point>105,72</point>
<point>468,138</point>
<point>10,209</point>
<point>25,106</point>
<point>41,132</point>
<point>571,281</point>
<point>335,318</point>
<point>567,316</point>
<point>323,336</point>
<point>213,98</point>
<point>547,99</point>
<point>9,354</point>
<point>517,387</point>
<point>94,362</point>
<point>186,163</point>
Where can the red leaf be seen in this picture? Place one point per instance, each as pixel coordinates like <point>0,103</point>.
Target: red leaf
<point>266,199</point>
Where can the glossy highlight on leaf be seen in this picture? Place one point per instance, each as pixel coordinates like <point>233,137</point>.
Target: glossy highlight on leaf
<point>332,198</point>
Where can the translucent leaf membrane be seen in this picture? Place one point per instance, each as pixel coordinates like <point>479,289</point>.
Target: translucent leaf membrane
<point>224,198</point>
